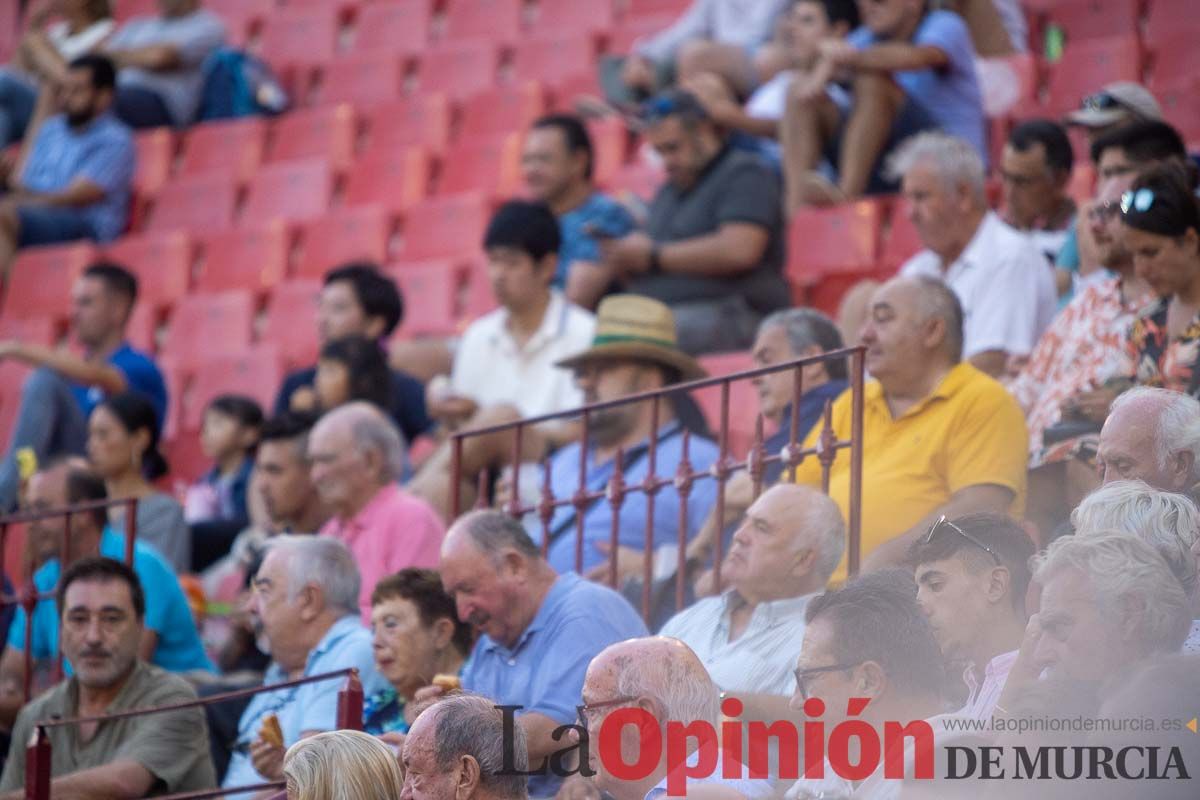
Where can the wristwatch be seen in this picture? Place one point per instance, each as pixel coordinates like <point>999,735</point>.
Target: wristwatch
<point>655,259</point>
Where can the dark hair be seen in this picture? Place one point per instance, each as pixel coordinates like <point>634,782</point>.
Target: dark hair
<point>1000,533</point>
<point>370,378</point>
<point>98,568</point>
<point>287,425</point>
<point>1173,209</point>
<point>135,413</point>
<point>1051,136</point>
<point>837,11</point>
<point>375,292</point>
<point>1143,141</point>
<point>574,133</point>
<point>104,74</point>
<point>423,588</point>
<point>83,486</point>
<point>875,617</point>
<point>245,410</point>
<point>116,279</point>
<point>524,225</point>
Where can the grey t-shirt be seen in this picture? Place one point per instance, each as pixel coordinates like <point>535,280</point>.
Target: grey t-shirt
<point>172,746</point>
<point>194,35</point>
<point>736,187</point>
<point>160,524</point>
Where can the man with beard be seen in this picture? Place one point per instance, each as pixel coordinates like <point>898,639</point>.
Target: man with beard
<point>75,178</point>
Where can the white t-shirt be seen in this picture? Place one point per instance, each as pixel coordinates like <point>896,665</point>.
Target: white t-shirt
<point>769,101</point>
<point>491,369</point>
<point>1004,283</point>
<point>72,46</point>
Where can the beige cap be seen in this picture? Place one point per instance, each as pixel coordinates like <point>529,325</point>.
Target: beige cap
<point>1114,103</point>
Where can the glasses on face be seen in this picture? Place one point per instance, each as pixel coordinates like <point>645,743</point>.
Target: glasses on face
<point>1141,201</point>
<point>1102,212</point>
<point>803,675</point>
<point>943,522</point>
<point>587,711</point>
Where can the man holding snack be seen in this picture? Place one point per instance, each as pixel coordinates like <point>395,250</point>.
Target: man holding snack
<point>306,599</point>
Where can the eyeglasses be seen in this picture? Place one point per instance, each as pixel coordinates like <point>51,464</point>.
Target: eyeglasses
<point>943,521</point>
<point>802,675</point>
<point>1141,200</point>
<point>1102,212</point>
<point>587,711</point>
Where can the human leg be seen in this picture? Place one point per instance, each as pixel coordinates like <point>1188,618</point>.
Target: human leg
<point>807,126</point>
<point>17,99</point>
<point>141,108</point>
<point>877,103</point>
<point>49,422</point>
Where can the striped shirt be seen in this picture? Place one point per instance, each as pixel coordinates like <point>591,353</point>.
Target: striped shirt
<point>981,702</point>
<point>762,659</point>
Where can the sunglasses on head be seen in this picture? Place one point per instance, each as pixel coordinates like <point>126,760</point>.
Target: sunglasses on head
<point>1139,200</point>
<point>942,522</point>
<point>1100,101</point>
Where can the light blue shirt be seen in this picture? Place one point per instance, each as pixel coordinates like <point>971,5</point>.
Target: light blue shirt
<point>599,211</point>
<point>168,614</point>
<point>543,672</point>
<point>100,152</point>
<point>597,519</point>
<point>950,95</point>
<point>752,788</point>
<point>311,706</point>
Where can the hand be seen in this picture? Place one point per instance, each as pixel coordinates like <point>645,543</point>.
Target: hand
<point>423,699</point>
<point>1091,405</point>
<point>1026,670</point>
<point>808,88</point>
<point>629,564</point>
<point>1014,365</point>
<point>267,759</point>
<point>638,73</point>
<point>628,255</point>
<point>837,51</point>
<point>453,410</point>
<point>577,787</point>
<point>8,348</point>
<point>303,400</point>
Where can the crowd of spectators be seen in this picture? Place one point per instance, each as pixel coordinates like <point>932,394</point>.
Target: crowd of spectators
<point>1029,417</point>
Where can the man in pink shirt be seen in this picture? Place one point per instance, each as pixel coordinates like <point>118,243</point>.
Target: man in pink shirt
<point>357,456</point>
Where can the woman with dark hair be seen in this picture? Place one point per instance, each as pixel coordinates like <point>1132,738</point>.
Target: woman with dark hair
<point>352,368</point>
<point>1162,231</point>
<point>122,446</point>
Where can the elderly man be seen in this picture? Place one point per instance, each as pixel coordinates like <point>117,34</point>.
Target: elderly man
<point>306,601</point>
<point>1153,435</point>
<point>944,438</point>
<point>972,574</point>
<point>1004,284</point>
<point>102,609</point>
<point>539,628</point>
<point>783,553</point>
<point>456,750</point>
<point>357,456</point>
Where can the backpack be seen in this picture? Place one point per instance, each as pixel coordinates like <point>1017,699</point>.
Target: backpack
<point>236,84</point>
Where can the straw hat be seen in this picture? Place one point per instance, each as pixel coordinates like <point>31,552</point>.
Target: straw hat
<point>629,326</point>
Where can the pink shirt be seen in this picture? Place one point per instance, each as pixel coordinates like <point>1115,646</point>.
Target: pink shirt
<point>981,703</point>
<point>393,531</point>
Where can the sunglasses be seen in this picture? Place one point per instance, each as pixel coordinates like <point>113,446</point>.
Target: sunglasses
<point>1100,101</point>
<point>1140,200</point>
<point>943,522</point>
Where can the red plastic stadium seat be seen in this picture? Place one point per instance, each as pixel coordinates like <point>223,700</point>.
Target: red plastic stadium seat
<point>610,141</point>
<point>445,227</point>
<point>1089,64</point>
<point>162,262</point>
<point>1169,17</point>
<point>633,28</point>
<point>32,330</point>
<point>197,203</point>
<point>292,190</point>
<point>256,373</point>
<point>300,36</point>
<point>204,325</point>
<point>325,133</point>
<point>829,240</point>
<point>397,26</point>
<point>290,322</point>
<point>394,179</point>
<point>125,9</point>
<point>458,70</point>
<point>491,165</point>
<point>643,8</point>
<point>423,120</point>
<point>186,458</point>
<point>641,180</point>
<point>1091,19</point>
<point>497,20</point>
<point>345,234</point>
<point>499,111</point>
<point>253,258</point>
<point>41,279</point>
<point>550,58</point>
<point>572,16</point>
<point>219,145</point>
<point>743,401</point>
<point>155,152</point>
<point>241,17</point>
<point>1176,61</point>
<point>361,80</point>
<point>479,298</point>
<point>902,241</point>
<point>432,289</point>
<point>143,323</point>
<point>1180,106</point>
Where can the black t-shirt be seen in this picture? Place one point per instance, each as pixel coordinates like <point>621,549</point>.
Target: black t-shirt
<point>408,399</point>
<point>736,186</point>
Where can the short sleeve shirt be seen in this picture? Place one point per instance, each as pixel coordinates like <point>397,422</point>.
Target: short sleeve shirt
<point>142,376</point>
<point>736,187</point>
<point>600,212</point>
<point>408,399</point>
<point>950,94</point>
<point>172,746</point>
<point>100,152</point>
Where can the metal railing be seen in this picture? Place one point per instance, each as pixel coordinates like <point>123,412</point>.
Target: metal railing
<point>686,475</point>
<point>38,754</point>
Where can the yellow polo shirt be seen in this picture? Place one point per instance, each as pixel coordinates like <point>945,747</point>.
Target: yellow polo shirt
<point>969,431</point>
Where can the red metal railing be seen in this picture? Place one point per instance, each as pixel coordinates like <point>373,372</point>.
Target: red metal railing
<point>38,754</point>
<point>790,456</point>
<point>29,597</point>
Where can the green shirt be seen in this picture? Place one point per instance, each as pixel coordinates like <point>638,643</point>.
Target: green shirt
<point>173,746</point>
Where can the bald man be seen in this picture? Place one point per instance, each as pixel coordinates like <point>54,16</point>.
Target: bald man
<point>357,455</point>
<point>784,552</point>
<point>1153,435</point>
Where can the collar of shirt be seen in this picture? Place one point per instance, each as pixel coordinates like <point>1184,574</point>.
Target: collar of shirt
<point>952,382</point>
<point>562,585</point>
<point>554,321</point>
<point>786,609</point>
<point>69,700</point>
<point>630,456</point>
<point>979,248</point>
<point>337,631</point>
<point>347,529</point>
<point>1001,664</point>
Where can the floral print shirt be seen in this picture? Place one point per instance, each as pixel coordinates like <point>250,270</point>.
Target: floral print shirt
<point>1161,361</point>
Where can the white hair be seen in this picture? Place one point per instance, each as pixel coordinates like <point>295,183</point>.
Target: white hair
<point>1121,567</point>
<point>1178,422</point>
<point>678,688</point>
<point>956,162</point>
<point>1167,521</point>
<point>320,561</point>
<point>828,531</point>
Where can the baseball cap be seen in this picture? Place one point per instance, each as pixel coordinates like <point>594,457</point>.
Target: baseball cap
<point>1113,102</point>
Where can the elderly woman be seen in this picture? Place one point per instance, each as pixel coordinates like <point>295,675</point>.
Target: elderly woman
<point>341,765</point>
<point>417,635</point>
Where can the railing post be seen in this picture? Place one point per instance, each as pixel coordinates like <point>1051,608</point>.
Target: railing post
<point>546,507</point>
<point>580,500</point>
<point>684,477</point>
<point>29,603</point>
<point>650,487</point>
<point>616,497</point>
<point>37,765</point>
<point>456,446</point>
<point>350,704</point>
<point>857,367</point>
<point>514,497</point>
<point>131,530</point>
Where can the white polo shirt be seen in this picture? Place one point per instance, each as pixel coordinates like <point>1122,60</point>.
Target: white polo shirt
<point>1004,283</point>
<point>491,369</point>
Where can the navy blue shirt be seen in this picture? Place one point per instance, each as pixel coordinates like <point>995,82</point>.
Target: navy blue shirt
<point>408,399</point>
<point>812,405</point>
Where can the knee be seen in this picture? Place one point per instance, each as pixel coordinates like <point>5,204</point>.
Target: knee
<point>693,57</point>
<point>877,86</point>
<point>42,384</point>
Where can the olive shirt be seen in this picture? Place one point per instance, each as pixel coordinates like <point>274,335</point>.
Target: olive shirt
<point>173,745</point>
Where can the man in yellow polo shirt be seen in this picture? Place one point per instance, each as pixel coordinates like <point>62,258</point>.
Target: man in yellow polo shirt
<point>940,437</point>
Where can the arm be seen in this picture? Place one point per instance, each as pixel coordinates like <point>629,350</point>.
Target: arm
<point>42,58</point>
<point>993,362</point>
<point>71,367</point>
<point>894,57</point>
<point>154,57</point>
<point>735,247</point>
<point>120,779</point>
<point>12,680</point>
<point>81,192</point>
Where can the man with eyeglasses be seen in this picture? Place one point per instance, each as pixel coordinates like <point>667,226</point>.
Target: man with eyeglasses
<point>972,574</point>
<point>1035,169</point>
